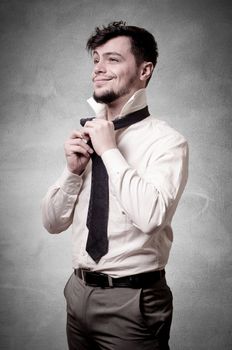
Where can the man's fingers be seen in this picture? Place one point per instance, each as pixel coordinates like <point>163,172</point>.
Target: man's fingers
<point>97,124</point>
<point>77,134</point>
<point>78,143</point>
<point>80,150</point>
<point>79,139</point>
<point>82,142</point>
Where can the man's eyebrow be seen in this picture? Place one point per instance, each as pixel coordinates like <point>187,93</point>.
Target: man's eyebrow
<point>114,53</point>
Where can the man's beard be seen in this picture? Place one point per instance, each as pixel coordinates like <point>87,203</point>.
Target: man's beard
<point>107,97</point>
<point>110,96</point>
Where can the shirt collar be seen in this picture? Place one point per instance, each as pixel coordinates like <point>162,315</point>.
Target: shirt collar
<point>136,102</point>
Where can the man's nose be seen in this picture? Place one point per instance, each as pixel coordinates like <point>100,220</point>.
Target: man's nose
<point>99,67</point>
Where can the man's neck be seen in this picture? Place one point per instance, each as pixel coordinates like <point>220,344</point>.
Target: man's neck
<point>113,109</point>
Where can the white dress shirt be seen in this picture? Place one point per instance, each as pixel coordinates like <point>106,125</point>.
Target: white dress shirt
<point>147,174</point>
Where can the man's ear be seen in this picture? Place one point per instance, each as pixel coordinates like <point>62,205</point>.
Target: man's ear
<point>146,70</point>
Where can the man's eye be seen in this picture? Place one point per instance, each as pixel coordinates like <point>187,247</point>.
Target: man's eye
<point>112,59</point>
<point>95,61</point>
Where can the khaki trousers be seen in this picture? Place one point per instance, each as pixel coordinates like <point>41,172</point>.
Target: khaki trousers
<point>118,318</point>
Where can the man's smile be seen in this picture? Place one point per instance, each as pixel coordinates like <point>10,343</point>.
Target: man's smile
<point>100,80</point>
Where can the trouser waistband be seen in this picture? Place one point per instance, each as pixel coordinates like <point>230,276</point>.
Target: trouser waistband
<point>97,279</point>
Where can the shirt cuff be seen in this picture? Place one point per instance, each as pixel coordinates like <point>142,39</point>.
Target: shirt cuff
<point>69,182</point>
<point>115,163</point>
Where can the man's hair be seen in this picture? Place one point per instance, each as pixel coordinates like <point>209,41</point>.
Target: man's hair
<point>143,44</point>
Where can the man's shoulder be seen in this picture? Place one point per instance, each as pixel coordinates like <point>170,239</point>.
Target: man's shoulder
<point>162,130</point>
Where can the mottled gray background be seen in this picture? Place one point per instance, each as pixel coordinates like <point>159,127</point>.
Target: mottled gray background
<point>44,84</point>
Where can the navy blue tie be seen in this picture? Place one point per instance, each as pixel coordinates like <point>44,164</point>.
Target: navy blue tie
<point>98,212</point>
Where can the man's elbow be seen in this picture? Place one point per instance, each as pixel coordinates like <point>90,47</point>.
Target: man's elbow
<point>153,220</point>
<point>54,227</point>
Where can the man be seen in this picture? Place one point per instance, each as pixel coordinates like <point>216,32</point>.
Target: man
<point>117,297</point>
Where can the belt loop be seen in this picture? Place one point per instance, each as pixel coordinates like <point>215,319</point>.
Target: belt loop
<point>82,275</point>
<point>110,281</point>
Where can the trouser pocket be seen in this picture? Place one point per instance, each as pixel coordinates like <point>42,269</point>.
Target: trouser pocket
<point>66,286</point>
<point>156,309</point>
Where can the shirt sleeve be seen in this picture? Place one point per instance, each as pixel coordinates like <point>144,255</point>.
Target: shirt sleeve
<point>59,202</point>
<point>150,199</point>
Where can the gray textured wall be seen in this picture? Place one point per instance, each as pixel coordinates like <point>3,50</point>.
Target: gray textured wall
<point>44,84</point>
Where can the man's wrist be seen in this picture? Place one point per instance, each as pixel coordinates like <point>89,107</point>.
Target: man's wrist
<point>75,172</point>
<point>107,150</point>
<point>70,182</point>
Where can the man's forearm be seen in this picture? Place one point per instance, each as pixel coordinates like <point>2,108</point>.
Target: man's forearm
<point>59,201</point>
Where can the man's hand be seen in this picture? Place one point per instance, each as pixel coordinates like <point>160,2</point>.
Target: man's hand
<point>102,135</point>
<point>77,152</point>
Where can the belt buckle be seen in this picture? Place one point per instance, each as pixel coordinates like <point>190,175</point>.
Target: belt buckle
<point>106,278</point>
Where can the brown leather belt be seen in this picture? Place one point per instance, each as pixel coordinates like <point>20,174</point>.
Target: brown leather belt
<point>97,279</point>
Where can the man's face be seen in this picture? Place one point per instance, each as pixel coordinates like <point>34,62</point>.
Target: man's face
<point>115,73</point>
